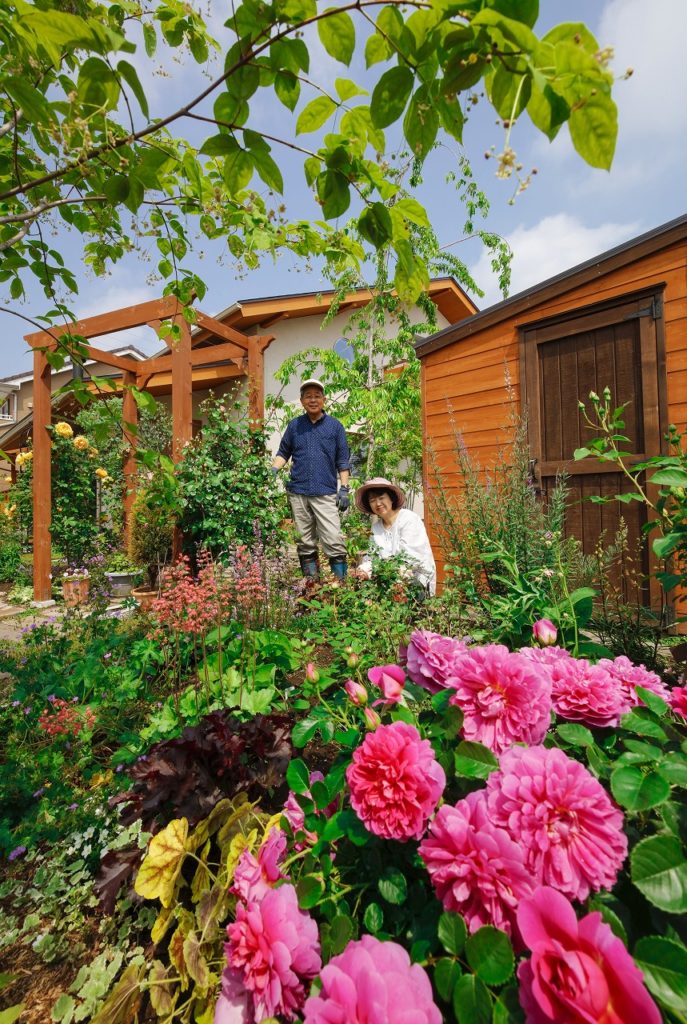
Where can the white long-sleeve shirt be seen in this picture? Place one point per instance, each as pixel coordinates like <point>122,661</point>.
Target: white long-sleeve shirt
<point>406,536</point>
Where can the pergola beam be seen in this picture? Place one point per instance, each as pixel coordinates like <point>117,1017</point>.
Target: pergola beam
<point>109,323</point>
<point>42,483</point>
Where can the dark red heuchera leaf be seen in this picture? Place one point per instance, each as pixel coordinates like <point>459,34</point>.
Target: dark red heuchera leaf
<point>221,756</point>
<point>185,777</point>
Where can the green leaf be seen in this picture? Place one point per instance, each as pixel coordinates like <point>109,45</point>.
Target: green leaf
<point>218,145</point>
<point>446,975</point>
<point>674,769</point>
<point>652,701</point>
<point>575,735</point>
<point>287,89</point>
<point>377,48</point>
<point>421,123</point>
<point>130,76</point>
<point>393,887</point>
<point>346,88</point>
<point>373,918</point>
<point>413,211</point>
<point>594,129</point>
<point>268,170</point>
<point>581,453</point>
<point>642,722</point>
<point>637,791</point>
<point>310,890</point>
<point>374,224</point>
<point>659,870</point>
<point>340,933</point>
<point>663,962</point>
<point>411,277</point>
<point>670,478</point>
<point>298,776</point>
<point>304,731</point>
<point>337,35</point>
<point>471,1001</point>
<point>149,38</point>
<point>507,1008</point>
<point>474,760</point>
<point>490,954</point>
<point>333,191</point>
<point>390,96</point>
<point>11,1014</point>
<point>295,11</point>
<point>452,932</point>
<point>664,546</point>
<point>315,114</point>
<point>548,111</point>
<point>238,170</point>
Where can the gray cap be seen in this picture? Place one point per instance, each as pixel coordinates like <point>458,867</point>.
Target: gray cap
<point>312,383</point>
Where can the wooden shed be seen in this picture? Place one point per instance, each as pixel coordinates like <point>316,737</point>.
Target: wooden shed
<point>619,319</point>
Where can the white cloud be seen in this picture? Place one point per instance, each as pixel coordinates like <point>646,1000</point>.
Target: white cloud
<point>554,244</point>
<point>650,38</point>
<point>121,290</point>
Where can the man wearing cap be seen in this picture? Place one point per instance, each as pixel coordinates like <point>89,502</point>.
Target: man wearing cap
<point>316,444</point>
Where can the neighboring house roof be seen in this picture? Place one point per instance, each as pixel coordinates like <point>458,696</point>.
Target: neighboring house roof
<point>636,248</point>
<point>17,434</point>
<point>126,350</point>
<point>245,315</point>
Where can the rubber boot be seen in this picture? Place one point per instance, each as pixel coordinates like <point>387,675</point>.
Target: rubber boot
<point>339,567</point>
<point>310,567</point>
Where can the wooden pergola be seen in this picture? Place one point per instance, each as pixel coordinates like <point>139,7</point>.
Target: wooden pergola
<point>171,371</point>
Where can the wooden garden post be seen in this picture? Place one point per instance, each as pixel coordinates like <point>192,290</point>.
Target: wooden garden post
<point>256,378</point>
<point>42,497</point>
<point>182,392</point>
<point>129,425</point>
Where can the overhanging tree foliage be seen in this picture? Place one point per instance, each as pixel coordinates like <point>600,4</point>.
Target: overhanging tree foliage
<point>79,142</point>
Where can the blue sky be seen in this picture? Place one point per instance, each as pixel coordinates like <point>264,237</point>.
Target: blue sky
<point>569,213</point>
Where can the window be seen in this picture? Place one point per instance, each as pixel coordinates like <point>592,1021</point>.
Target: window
<point>7,408</point>
<point>343,348</point>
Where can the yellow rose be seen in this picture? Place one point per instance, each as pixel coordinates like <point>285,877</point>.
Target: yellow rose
<point>81,443</point>
<point>23,458</point>
<point>8,479</point>
<point>102,473</point>
<point>63,429</point>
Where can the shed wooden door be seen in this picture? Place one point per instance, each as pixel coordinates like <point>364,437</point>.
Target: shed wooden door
<point>614,346</point>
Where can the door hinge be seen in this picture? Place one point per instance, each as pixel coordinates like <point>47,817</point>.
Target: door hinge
<point>654,310</point>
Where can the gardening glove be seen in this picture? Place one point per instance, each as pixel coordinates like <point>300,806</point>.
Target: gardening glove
<point>343,499</point>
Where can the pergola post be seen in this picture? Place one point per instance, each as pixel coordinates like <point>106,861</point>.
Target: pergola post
<point>256,378</point>
<point>13,469</point>
<point>42,497</point>
<point>182,392</point>
<point>129,426</point>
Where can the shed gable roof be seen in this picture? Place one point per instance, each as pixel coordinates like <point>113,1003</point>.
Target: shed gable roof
<point>596,267</point>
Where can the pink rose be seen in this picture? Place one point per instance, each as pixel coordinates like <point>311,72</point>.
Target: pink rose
<point>544,632</point>
<point>505,698</point>
<point>372,719</point>
<point>432,659</point>
<point>275,948</point>
<point>678,700</point>
<point>391,680</point>
<point>373,982</point>
<point>631,676</point>
<point>255,876</point>
<point>477,870</point>
<point>395,782</point>
<point>586,693</point>
<point>357,693</point>
<point>311,673</point>
<point>233,1005</point>
<point>579,972</point>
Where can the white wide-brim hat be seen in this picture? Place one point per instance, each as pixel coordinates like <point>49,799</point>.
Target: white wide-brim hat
<point>377,483</point>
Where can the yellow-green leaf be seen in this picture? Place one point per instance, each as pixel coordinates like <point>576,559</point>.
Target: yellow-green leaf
<point>160,869</point>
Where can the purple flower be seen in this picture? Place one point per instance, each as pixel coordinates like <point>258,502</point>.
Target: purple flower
<point>39,792</point>
<point>27,711</point>
<point>51,698</point>
<point>72,807</point>
<point>16,703</point>
<point>18,851</point>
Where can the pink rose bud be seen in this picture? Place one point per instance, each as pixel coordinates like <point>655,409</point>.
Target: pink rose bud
<point>356,692</point>
<point>390,679</point>
<point>372,718</point>
<point>311,673</point>
<point>544,632</point>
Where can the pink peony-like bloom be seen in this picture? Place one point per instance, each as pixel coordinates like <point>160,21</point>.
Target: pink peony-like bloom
<point>391,679</point>
<point>579,972</point>
<point>357,693</point>
<point>373,982</point>
<point>630,676</point>
<point>276,948</point>
<point>545,655</point>
<point>476,868</point>
<point>254,876</point>
<point>505,698</point>
<point>233,1004</point>
<point>544,632</point>
<point>569,829</point>
<point>295,815</point>
<point>586,693</point>
<point>678,700</point>
<point>432,659</point>
<point>395,782</point>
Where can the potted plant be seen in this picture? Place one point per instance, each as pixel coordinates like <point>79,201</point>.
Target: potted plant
<point>75,586</point>
<point>152,532</point>
<point>122,574</point>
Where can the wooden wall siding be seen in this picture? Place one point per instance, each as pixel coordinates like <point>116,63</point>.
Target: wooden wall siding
<point>464,383</point>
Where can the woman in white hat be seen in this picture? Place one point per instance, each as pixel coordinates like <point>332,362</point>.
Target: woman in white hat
<point>397,531</point>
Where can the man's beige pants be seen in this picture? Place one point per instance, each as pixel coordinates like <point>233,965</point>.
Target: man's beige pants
<point>317,519</point>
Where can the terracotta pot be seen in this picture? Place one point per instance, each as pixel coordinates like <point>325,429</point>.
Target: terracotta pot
<point>75,591</point>
<point>145,597</point>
